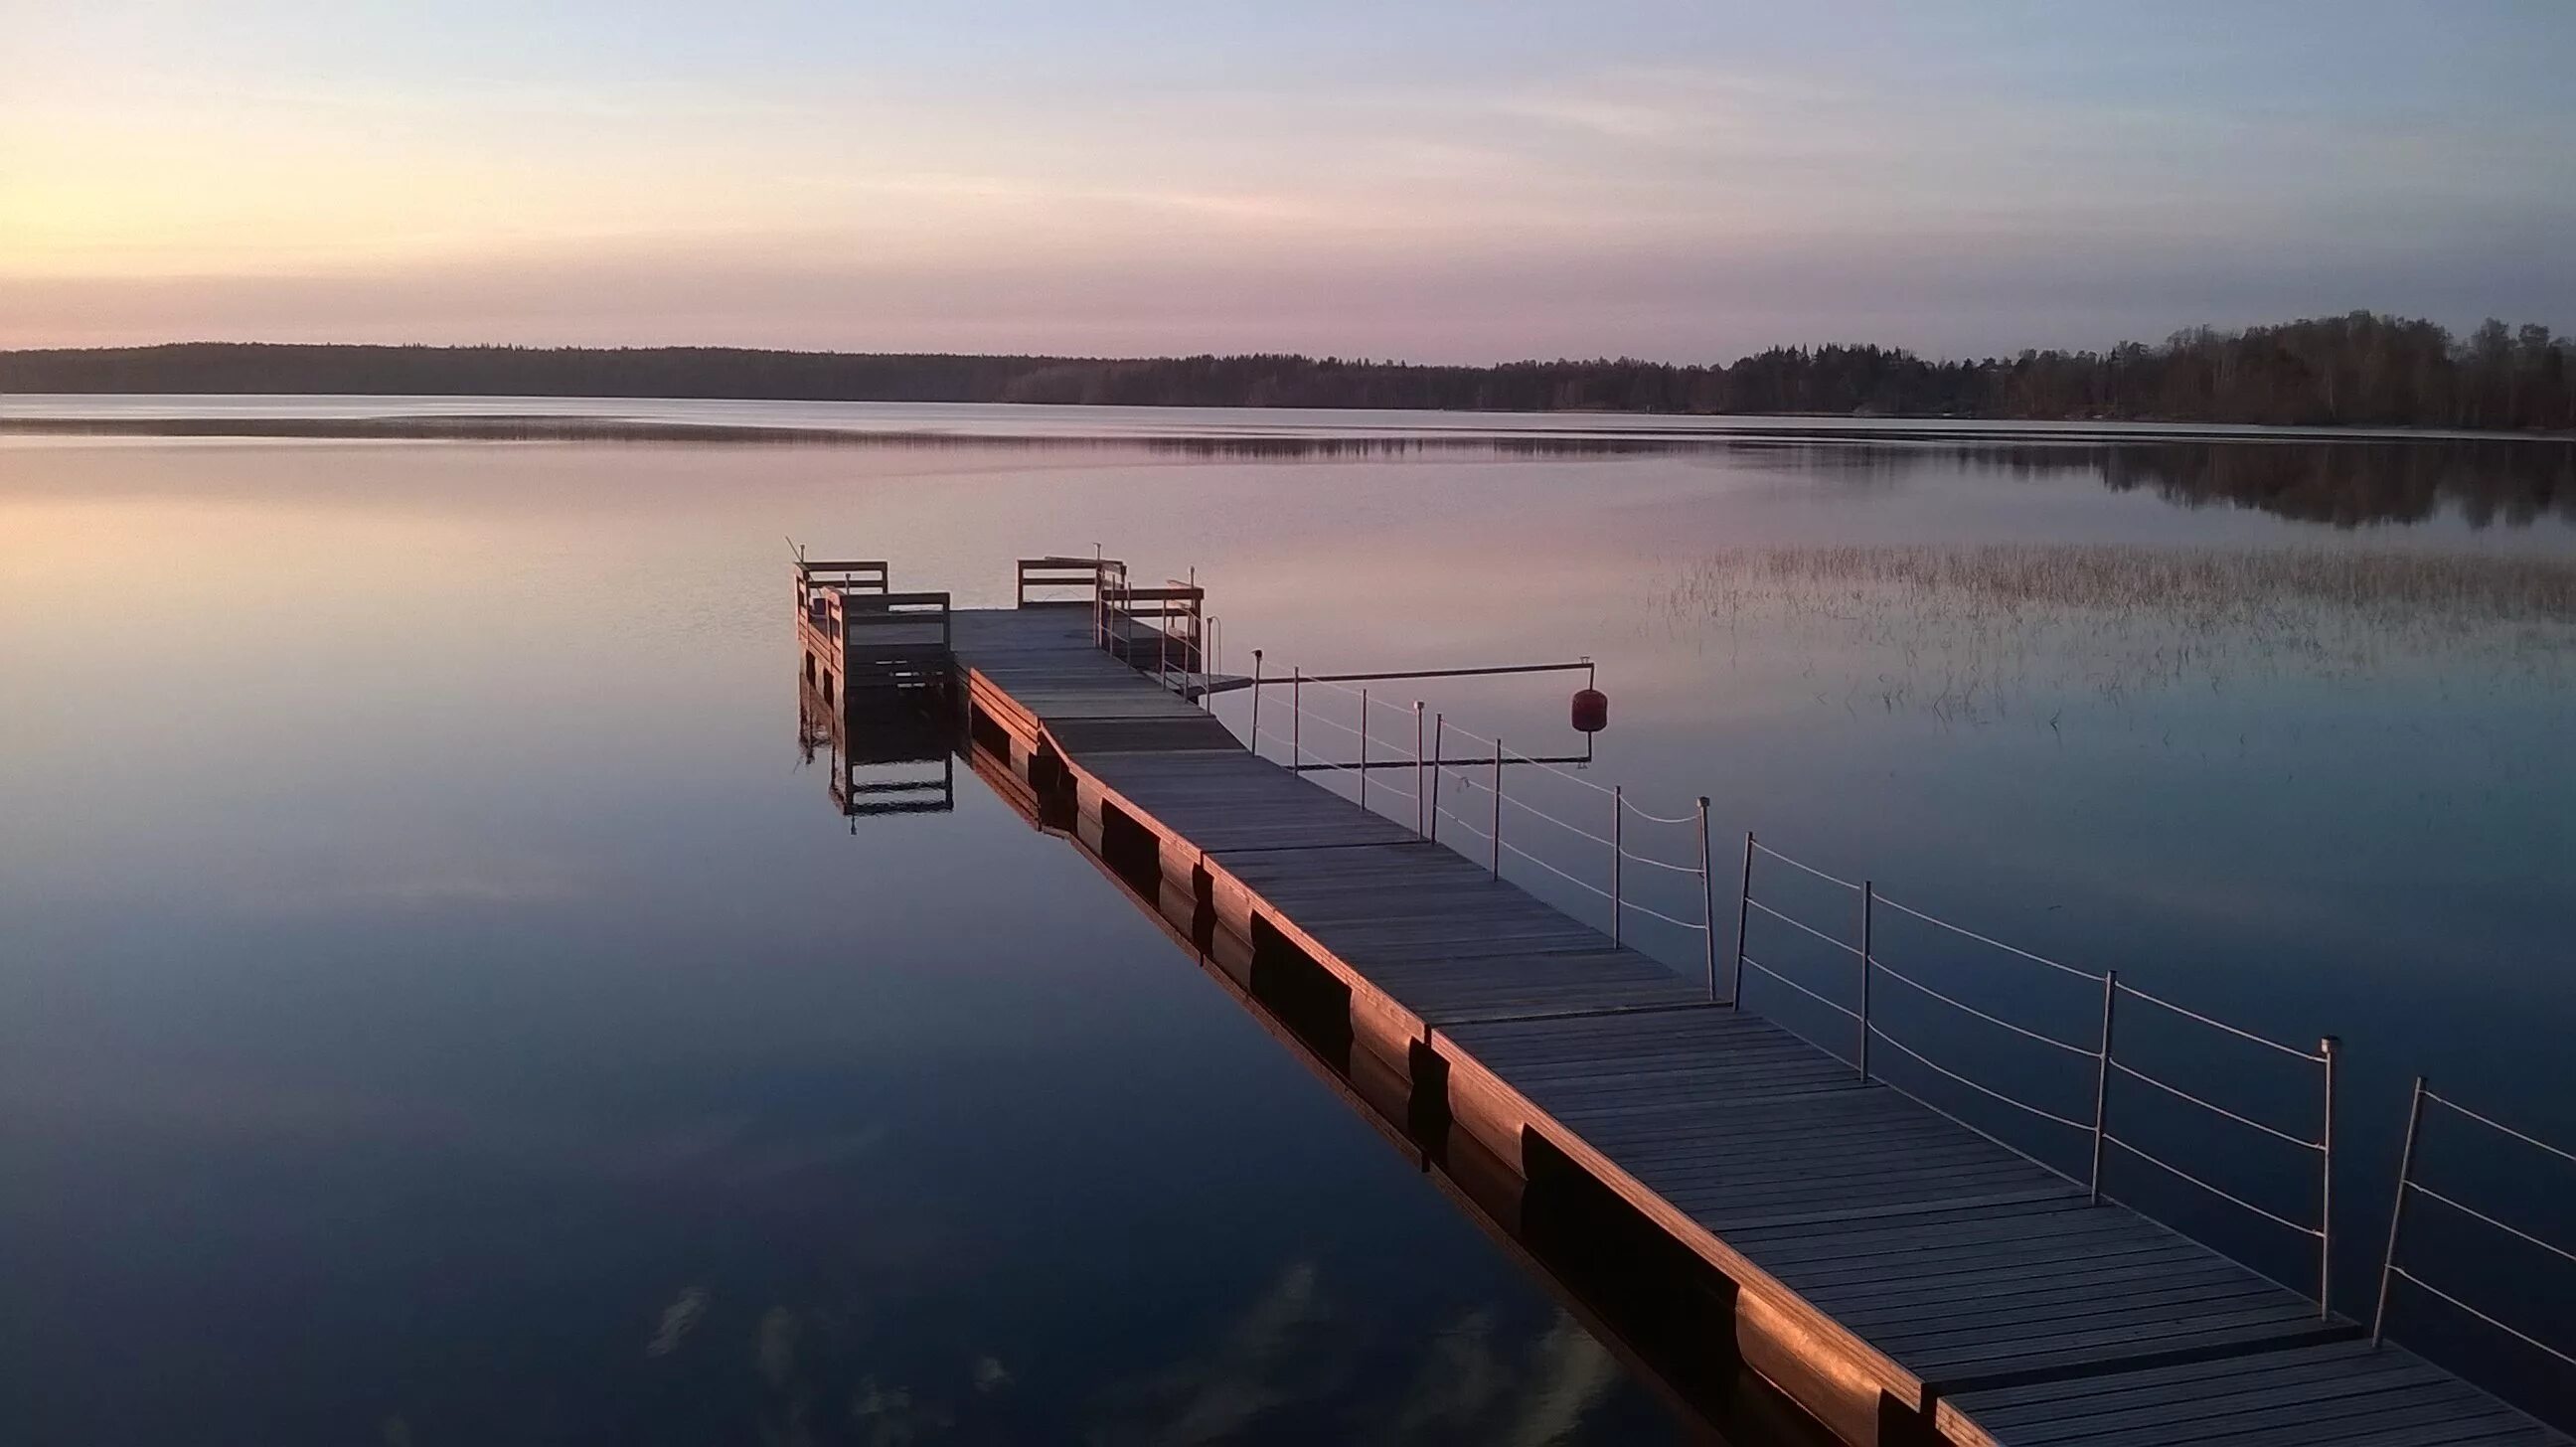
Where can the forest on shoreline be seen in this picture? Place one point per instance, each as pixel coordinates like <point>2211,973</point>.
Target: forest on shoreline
<point>2362,369</point>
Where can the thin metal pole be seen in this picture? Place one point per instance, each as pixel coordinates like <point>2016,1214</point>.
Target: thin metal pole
<point>2325,1184</point>
<point>1618,856</point>
<point>1707,903</point>
<point>1364,712</point>
<point>1868,899</point>
<point>1743,916</point>
<point>1254,743</point>
<point>1296,717</point>
<point>1421,801</point>
<point>1439,737</point>
<point>2397,1209</point>
<point>1498,807</point>
<point>2102,1080</point>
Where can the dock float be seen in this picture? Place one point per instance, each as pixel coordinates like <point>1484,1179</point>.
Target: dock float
<point>1901,1277</point>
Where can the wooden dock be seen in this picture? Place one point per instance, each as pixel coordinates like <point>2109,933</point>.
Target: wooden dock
<point>1901,1277</point>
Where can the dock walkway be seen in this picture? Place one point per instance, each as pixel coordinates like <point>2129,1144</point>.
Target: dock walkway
<point>1900,1275</point>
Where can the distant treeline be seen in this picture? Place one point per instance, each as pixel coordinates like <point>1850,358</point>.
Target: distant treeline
<point>2358,370</point>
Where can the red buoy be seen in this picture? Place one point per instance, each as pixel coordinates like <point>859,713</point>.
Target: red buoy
<point>1591,711</point>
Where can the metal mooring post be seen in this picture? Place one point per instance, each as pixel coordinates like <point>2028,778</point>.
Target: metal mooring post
<point>2325,1182</point>
<point>1707,903</point>
<point>1743,915</point>
<point>1498,807</point>
<point>1296,716</point>
<point>1439,736</point>
<point>1618,855</point>
<point>1421,801</point>
<point>2102,1080</point>
<point>2397,1209</point>
<point>1363,748</point>
<point>1254,743</point>
<point>1868,901</point>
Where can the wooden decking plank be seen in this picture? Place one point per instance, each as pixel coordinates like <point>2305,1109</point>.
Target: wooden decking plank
<point>2332,1393</point>
<point>2049,1399</point>
<point>2333,1420</point>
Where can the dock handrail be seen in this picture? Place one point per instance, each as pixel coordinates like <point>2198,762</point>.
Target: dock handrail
<point>2410,1185</point>
<point>1052,574</point>
<point>1450,786</point>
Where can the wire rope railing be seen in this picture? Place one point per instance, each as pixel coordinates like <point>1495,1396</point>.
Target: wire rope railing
<point>1459,792</point>
<point>2392,1268</point>
<point>1425,749</point>
<point>1869,965</point>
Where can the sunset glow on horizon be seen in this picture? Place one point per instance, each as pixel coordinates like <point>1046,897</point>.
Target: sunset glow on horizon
<point>1683,183</point>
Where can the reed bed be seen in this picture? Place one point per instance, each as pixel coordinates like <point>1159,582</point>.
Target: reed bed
<point>1974,631</point>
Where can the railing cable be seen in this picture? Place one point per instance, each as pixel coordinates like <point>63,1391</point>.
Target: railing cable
<point>1811,869</point>
<point>2022,1105</point>
<point>2179,1092</point>
<point>2126,988</point>
<point>2493,1124</point>
<point>1802,925</point>
<point>1803,990</point>
<point>2092,975</point>
<point>2217,1191</point>
<point>2087,1051</point>
<point>2508,1329</point>
<point>2508,1228</point>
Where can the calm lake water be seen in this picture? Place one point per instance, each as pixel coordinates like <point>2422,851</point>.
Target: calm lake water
<point>439,1003</point>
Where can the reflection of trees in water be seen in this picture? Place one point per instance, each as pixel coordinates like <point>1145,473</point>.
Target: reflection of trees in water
<point>2351,484</point>
<point>1984,633</point>
<point>2344,483</point>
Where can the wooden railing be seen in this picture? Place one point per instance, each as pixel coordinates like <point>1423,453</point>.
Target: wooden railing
<point>1056,574</point>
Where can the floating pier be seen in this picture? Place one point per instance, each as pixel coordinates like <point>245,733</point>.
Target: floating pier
<point>1900,1276</point>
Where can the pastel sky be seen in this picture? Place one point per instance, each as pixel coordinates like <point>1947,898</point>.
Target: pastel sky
<point>1439,181</point>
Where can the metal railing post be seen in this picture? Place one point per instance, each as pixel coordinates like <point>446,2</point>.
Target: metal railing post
<point>1421,822</point>
<point>1364,748</point>
<point>1743,918</point>
<point>1498,806</point>
<point>2325,1183</point>
<point>2397,1210</point>
<point>2102,1080</point>
<point>1296,716</point>
<point>1439,736</point>
<point>1868,899</point>
<point>1254,743</point>
<point>1618,855</point>
<point>1707,904</point>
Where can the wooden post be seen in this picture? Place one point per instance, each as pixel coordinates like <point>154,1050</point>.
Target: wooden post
<point>1421,801</point>
<point>2397,1209</point>
<point>1707,904</point>
<point>1743,916</point>
<point>1254,743</point>
<point>1498,806</point>
<point>2325,1183</point>
<point>2102,1080</point>
<point>1618,855</point>
<point>1868,899</point>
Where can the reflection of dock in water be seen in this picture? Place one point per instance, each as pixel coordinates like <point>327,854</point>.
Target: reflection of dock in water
<point>872,690</point>
<point>1652,1304</point>
<point>1899,1276</point>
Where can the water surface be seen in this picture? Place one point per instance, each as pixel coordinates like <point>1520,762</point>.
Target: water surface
<point>439,1003</point>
